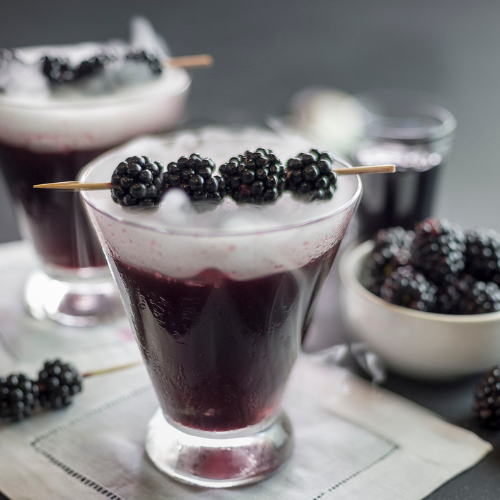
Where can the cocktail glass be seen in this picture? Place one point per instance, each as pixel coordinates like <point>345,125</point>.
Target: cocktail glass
<point>409,129</point>
<point>50,140</point>
<point>219,313</point>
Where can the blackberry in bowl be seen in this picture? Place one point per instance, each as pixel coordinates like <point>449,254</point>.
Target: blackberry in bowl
<point>482,254</point>
<point>420,320</point>
<point>438,249</point>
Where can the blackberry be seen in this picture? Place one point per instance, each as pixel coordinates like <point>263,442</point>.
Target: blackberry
<point>310,176</point>
<point>487,399</point>
<point>448,298</point>
<point>482,255</point>
<point>194,175</point>
<point>58,70</point>
<point>148,58</point>
<point>92,65</point>
<point>137,181</point>
<point>19,397</point>
<point>408,288</point>
<point>478,297</point>
<point>58,383</point>
<point>391,250</point>
<point>438,250</point>
<point>393,236</point>
<point>254,177</point>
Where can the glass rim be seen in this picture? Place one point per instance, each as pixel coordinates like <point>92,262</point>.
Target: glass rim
<point>103,101</point>
<point>215,234</point>
<point>412,100</point>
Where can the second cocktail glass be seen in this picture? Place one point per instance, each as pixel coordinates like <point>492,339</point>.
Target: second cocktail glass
<point>219,308</point>
<point>50,140</point>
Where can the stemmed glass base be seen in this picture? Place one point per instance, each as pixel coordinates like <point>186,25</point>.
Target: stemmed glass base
<point>219,459</point>
<point>80,303</point>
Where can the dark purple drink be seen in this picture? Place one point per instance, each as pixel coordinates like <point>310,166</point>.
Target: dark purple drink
<point>57,222</point>
<point>401,199</point>
<point>218,350</point>
<point>407,129</point>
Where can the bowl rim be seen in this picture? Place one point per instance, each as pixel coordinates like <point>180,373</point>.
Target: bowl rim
<point>350,261</point>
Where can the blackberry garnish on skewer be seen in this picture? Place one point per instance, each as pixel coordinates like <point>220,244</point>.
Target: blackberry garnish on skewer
<point>310,176</point>
<point>194,175</point>
<point>255,177</point>
<point>19,398</point>
<point>148,58</point>
<point>58,70</point>
<point>137,181</point>
<point>241,177</point>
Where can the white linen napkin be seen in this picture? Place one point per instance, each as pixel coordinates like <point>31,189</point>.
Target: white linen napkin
<point>25,341</point>
<point>353,441</point>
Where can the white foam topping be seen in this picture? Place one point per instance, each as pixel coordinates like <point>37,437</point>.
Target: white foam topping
<point>242,241</point>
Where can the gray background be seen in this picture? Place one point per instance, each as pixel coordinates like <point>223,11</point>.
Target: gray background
<point>266,50</point>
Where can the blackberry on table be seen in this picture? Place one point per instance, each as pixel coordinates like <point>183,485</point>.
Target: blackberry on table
<point>137,181</point>
<point>19,397</point>
<point>255,177</point>
<point>487,399</point>
<point>59,382</point>
<point>150,59</point>
<point>438,249</point>
<point>194,175</point>
<point>482,254</point>
<point>310,176</point>
<point>408,288</point>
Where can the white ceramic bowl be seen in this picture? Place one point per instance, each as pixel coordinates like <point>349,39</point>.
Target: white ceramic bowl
<point>415,343</point>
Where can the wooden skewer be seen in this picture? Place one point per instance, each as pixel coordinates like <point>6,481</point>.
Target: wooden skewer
<point>372,169</point>
<point>112,369</point>
<point>76,186</point>
<point>94,186</point>
<point>196,61</point>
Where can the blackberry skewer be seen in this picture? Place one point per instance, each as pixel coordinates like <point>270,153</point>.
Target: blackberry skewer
<point>95,186</point>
